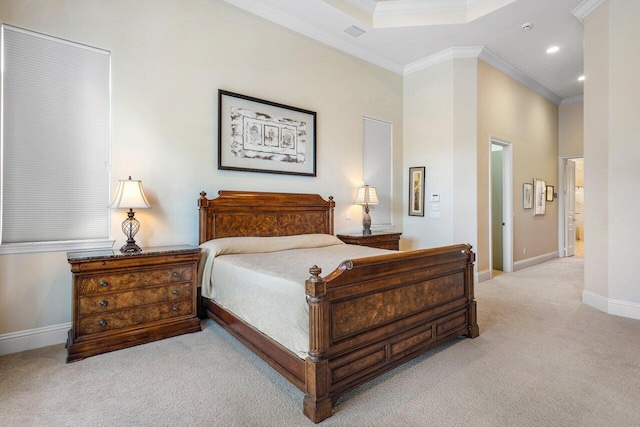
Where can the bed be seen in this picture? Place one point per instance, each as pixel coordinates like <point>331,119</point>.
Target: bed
<point>368,315</point>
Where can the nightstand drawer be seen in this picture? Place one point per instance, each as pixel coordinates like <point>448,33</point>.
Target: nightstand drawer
<point>392,246</point>
<point>381,239</point>
<point>103,283</point>
<point>134,316</point>
<point>117,301</point>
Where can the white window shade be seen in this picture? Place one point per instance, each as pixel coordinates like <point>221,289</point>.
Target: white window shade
<point>55,139</point>
<point>377,164</point>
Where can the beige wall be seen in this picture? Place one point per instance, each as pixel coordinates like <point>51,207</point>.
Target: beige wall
<point>571,129</point>
<point>465,153</point>
<point>169,58</point>
<point>512,112</point>
<point>440,134</point>
<point>624,149</point>
<point>450,111</point>
<point>428,133</point>
<point>612,90</point>
<point>596,152</point>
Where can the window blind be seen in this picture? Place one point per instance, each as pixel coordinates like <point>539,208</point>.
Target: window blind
<point>55,139</point>
<point>376,172</point>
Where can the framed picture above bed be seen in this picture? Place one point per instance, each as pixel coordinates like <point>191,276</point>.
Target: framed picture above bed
<point>255,135</point>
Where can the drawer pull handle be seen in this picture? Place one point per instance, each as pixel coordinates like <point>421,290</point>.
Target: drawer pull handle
<point>175,309</point>
<point>175,274</point>
<point>175,292</point>
<point>102,323</point>
<point>104,303</point>
<point>103,284</point>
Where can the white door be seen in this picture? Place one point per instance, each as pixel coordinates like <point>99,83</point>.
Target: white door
<point>570,210</point>
<point>501,215</point>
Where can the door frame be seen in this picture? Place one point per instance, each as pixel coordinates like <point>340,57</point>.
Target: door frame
<point>562,201</point>
<point>507,205</point>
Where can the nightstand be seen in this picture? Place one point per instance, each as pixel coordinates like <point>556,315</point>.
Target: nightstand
<point>121,300</point>
<point>377,239</point>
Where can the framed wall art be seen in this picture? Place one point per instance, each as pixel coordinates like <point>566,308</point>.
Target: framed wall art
<point>255,135</point>
<point>539,196</point>
<point>416,191</point>
<point>527,195</point>
<point>550,193</point>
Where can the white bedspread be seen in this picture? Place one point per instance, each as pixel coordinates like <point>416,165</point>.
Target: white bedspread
<point>261,280</point>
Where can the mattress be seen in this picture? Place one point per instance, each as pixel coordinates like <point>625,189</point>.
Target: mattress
<point>262,280</point>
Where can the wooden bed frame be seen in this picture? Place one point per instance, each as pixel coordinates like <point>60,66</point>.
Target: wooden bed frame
<point>366,317</point>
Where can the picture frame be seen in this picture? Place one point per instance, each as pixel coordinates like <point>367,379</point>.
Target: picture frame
<point>416,191</point>
<point>539,197</point>
<point>550,193</point>
<point>527,195</point>
<point>255,135</point>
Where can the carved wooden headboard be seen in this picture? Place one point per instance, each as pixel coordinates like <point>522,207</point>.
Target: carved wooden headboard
<point>241,214</point>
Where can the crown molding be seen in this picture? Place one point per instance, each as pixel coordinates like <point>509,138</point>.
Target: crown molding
<point>419,6</point>
<point>490,58</point>
<point>572,100</point>
<point>442,56</point>
<point>495,61</point>
<point>431,12</point>
<point>585,8</point>
<point>368,6</point>
<point>294,24</point>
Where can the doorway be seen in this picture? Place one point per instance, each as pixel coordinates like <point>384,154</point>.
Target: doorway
<point>500,207</point>
<point>571,237</point>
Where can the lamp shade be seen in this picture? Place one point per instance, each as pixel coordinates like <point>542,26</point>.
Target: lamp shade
<point>130,195</point>
<point>367,196</point>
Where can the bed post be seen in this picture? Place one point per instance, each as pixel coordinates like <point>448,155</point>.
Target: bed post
<point>472,325</point>
<point>317,403</point>
<point>203,204</point>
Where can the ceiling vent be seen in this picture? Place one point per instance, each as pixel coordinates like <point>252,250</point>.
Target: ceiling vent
<point>354,31</point>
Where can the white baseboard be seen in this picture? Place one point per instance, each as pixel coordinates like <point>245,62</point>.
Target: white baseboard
<point>530,262</point>
<point>16,342</point>
<point>481,276</point>
<point>611,306</point>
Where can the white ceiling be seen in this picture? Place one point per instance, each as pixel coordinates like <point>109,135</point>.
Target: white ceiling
<point>406,35</point>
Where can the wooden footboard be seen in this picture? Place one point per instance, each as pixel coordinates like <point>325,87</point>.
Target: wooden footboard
<point>373,314</point>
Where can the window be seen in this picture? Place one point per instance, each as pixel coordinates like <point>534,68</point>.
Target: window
<point>55,143</point>
<point>378,158</point>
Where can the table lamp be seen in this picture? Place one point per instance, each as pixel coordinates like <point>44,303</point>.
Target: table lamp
<point>130,196</point>
<point>366,196</point>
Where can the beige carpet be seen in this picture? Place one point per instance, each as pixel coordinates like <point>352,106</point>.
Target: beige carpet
<point>542,359</point>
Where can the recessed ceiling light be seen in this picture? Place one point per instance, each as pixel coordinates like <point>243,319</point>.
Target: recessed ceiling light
<point>354,31</point>
<point>581,78</point>
<point>553,49</point>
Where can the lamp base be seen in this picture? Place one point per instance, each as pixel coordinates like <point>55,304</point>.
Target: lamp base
<point>130,227</point>
<point>130,247</point>
<point>366,223</point>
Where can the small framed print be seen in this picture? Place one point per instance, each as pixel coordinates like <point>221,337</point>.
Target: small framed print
<point>539,197</point>
<point>527,195</point>
<point>416,191</point>
<point>255,135</point>
<point>550,193</point>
